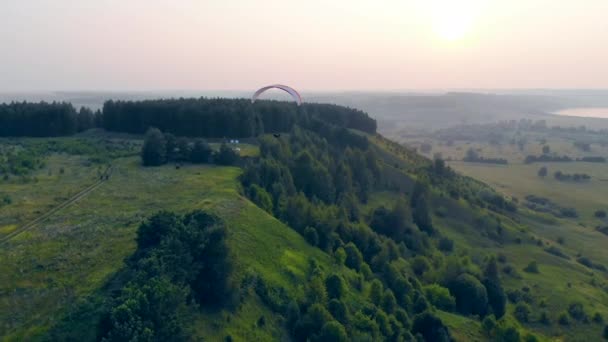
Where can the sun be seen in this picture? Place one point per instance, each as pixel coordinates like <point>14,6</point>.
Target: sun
<point>453,20</point>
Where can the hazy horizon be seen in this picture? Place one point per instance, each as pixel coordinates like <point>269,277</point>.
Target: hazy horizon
<point>238,45</point>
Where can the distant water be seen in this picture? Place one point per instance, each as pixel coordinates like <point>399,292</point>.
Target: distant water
<point>591,112</point>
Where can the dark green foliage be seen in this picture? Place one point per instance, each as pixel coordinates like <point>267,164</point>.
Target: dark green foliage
<point>353,256</point>
<point>389,302</point>
<point>577,311</point>
<point>497,299</point>
<point>201,152</point>
<point>542,172</point>
<point>532,267</point>
<point>420,265</point>
<point>310,234</point>
<point>43,119</point>
<point>600,214</point>
<point>430,327</point>
<point>471,296</point>
<point>332,332</point>
<point>262,198</point>
<point>422,216</point>
<point>598,318</point>
<point>338,310</point>
<point>563,319</point>
<point>506,333</point>
<point>177,258</point>
<point>445,245</point>
<point>226,155</point>
<point>522,312</point>
<point>218,118</point>
<point>376,291</point>
<point>440,297</point>
<point>335,286</point>
<point>544,318</point>
<point>605,332</point>
<point>154,151</point>
<point>488,324</point>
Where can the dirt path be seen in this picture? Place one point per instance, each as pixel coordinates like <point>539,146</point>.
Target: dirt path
<point>104,177</point>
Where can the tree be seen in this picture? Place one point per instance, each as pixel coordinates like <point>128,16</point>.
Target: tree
<point>440,297</point>
<point>335,286</point>
<point>497,298</point>
<point>532,267</point>
<point>226,156</point>
<point>389,302</point>
<point>154,150</point>
<point>353,256</point>
<point>338,310</point>
<point>422,217</point>
<point>430,327</point>
<point>311,235</point>
<point>542,172</point>
<point>522,312</point>
<point>546,149</point>
<point>201,152</point>
<point>333,332</point>
<point>375,292</point>
<point>471,296</point>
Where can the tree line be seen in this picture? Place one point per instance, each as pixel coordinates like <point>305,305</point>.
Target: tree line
<point>159,149</point>
<point>202,117</point>
<point>219,118</point>
<point>45,119</point>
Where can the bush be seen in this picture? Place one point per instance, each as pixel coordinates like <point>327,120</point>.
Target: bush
<point>577,311</point>
<point>522,312</point>
<point>446,245</point>
<point>440,297</point>
<point>598,318</point>
<point>430,327</point>
<point>310,234</point>
<point>488,324</point>
<point>544,318</point>
<point>600,214</point>
<point>226,156</point>
<point>563,319</point>
<point>605,333</point>
<point>471,296</point>
<point>532,267</point>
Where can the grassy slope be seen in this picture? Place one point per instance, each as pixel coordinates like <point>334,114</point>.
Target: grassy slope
<point>76,251</point>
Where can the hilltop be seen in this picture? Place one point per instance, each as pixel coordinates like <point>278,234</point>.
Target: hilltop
<point>332,232</point>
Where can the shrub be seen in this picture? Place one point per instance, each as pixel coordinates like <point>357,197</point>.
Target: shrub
<point>598,318</point>
<point>522,312</point>
<point>311,235</point>
<point>544,318</point>
<point>440,297</point>
<point>446,245</point>
<point>488,324</point>
<point>605,334</point>
<point>563,319</point>
<point>532,267</point>
<point>600,213</point>
<point>577,311</point>
<point>430,327</point>
<point>471,296</point>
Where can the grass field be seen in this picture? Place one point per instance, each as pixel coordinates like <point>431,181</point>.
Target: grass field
<point>48,269</point>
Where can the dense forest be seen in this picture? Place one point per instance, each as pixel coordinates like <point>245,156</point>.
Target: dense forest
<point>44,119</point>
<point>210,118</point>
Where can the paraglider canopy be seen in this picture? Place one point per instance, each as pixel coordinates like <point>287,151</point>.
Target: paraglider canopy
<point>296,96</point>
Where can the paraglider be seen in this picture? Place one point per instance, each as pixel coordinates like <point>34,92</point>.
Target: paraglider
<point>296,96</point>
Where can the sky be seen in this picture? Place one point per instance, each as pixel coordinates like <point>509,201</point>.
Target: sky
<point>314,45</point>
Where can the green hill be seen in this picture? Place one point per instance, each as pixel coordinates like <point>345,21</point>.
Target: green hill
<point>324,224</point>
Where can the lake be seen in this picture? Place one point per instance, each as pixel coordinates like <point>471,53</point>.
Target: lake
<point>591,112</point>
